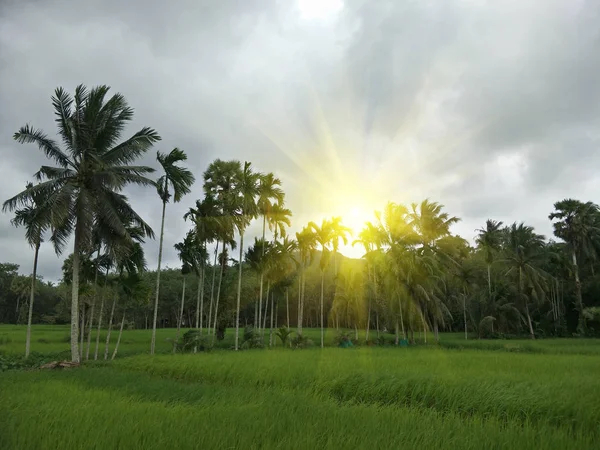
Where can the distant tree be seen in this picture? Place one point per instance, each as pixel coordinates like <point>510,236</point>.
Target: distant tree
<point>578,225</point>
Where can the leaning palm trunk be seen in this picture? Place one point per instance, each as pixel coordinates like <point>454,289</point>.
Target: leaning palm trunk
<point>119,338</point>
<point>31,298</point>
<point>200,301</point>
<point>110,321</point>
<point>160,247</point>
<point>212,290</point>
<point>322,324</point>
<point>217,301</point>
<point>239,292</point>
<point>180,318</point>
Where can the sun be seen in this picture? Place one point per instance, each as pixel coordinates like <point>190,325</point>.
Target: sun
<point>319,9</point>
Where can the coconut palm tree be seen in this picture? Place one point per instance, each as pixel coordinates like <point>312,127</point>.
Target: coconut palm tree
<point>175,182</point>
<point>247,210</point>
<point>430,222</point>
<point>323,236</point>
<point>489,239</point>
<point>525,255</point>
<point>31,216</point>
<point>91,171</point>
<point>577,224</point>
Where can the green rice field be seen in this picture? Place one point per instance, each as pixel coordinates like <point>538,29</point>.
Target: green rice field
<point>455,395</point>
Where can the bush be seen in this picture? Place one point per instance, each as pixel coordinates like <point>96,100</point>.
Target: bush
<point>252,339</point>
<point>299,342</point>
<point>190,340</point>
<point>343,339</point>
<point>284,334</point>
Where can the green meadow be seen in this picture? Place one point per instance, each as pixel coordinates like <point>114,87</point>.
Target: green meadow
<point>459,394</point>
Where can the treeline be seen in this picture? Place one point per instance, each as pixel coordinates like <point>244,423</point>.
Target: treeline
<point>415,274</point>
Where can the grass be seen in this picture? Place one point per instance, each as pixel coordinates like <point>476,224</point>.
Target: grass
<point>481,396</point>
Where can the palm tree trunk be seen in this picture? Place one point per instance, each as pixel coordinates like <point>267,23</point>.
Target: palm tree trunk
<point>401,317</point>
<point>239,291</point>
<point>31,298</point>
<point>82,331</point>
<point>212,289</point>
<point>377,322</point>
<point>271,329</point>
<point>299,319</point>
<point>218,297</point>
<point>397,338</point>
<point>198,297</point>
<point>465,313</point>
<point>264,327</point>
<point>322,325</point>
<point>581,325</point>
<point>89,338</point>
<point>160,247</point>
<point>110,321</point>
<point>119,338</point>
<point>287,306</point>
<point>100,316</point>
<point>489,274</point>
<point>260,294</point>
<point>180,319</point>
<point>75,296</point>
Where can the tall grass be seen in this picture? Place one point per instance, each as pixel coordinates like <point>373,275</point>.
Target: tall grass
<point>99,408</point>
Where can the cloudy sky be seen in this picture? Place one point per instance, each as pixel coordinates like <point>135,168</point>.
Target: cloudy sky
<point>489,107</point>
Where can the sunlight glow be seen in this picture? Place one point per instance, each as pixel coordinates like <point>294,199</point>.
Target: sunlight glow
<point>319,9</point>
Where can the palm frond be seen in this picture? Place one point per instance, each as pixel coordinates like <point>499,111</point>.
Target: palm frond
<point>133,148</point>
<point>28,135</point>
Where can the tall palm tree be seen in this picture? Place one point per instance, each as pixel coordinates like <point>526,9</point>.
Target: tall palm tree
<point>32,217</point>
<point>323,236</point>
<point>220,185</point>
<point>269,195</point>
<point>489,239</point>
<point>91,171</point>
<point>247,210</point>
<point>524,256</point>
<point>577,224</point>
<point>175,182</point>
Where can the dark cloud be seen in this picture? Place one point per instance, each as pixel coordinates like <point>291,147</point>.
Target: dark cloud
<point>491,108</point>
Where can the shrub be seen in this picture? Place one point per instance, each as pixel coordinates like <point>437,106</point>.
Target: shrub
<point>190,340</point>
<point>299,342</point>
<point>252,339</point>
<point>284,334</point>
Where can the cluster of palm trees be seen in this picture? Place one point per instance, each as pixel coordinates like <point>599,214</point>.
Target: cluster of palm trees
<point>416,274</point>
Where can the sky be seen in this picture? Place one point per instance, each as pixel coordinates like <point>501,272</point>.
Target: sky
<point>490,108</point>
